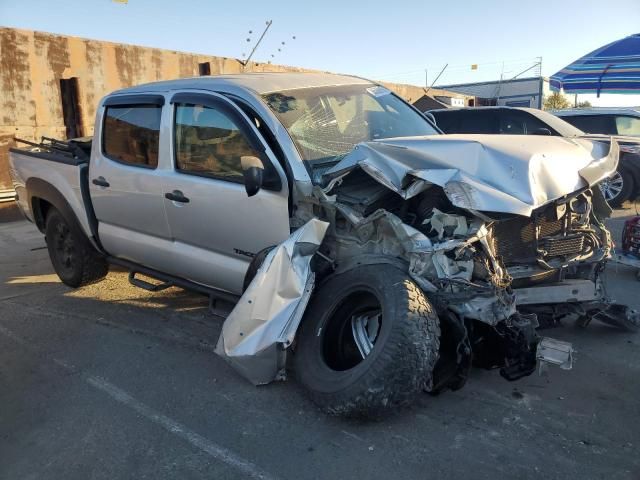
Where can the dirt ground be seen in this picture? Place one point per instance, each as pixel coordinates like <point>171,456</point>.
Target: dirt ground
<point>110,381</point>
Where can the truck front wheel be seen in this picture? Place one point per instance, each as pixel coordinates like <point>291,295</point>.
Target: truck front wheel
<point>368,342</point>
<point>74,259</point>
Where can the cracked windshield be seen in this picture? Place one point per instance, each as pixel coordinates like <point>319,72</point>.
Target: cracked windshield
<point>325,124</point>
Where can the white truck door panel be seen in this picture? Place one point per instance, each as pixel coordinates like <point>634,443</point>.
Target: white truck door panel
<point>126,183</point>
<point>215,225</point>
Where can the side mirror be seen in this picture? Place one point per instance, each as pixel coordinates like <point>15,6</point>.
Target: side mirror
<point>253,172</point>
<point>542,131</point>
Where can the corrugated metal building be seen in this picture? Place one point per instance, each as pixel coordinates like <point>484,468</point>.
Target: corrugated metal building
<point>519,92</point>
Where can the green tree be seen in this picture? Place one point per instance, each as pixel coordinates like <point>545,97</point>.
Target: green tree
<point>585,104</point>
<point>556,101</point>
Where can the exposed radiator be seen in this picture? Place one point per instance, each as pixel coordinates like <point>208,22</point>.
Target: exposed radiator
<point>515,239</point>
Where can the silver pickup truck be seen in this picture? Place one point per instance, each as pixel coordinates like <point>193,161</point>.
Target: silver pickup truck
<point>364,250</point>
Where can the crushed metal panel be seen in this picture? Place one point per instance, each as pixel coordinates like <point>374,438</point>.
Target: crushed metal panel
<point>484,172</point>
<point>264,322</point>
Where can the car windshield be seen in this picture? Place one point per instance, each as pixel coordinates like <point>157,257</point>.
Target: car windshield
<point>326,123</point>
<point>564,128</point>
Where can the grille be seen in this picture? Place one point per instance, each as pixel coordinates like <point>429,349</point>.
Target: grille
<point>515,239</point>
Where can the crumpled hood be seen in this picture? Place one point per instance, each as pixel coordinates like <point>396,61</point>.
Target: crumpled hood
<point>498,173</point>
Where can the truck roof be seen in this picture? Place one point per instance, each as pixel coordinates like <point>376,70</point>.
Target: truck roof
<point>260,83</point>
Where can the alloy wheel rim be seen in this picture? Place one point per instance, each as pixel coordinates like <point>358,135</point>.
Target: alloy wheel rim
<point>612,186</point>
<point>365,328</point>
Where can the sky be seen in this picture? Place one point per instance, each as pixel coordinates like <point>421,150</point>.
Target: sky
<point>404,41</point>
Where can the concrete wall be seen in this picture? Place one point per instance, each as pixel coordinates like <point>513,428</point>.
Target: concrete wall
<point>32,64</point>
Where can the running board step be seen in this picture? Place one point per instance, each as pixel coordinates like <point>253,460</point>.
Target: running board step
<point>152,287</point>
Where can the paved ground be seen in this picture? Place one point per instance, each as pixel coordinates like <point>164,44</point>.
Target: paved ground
<point>110,381</point>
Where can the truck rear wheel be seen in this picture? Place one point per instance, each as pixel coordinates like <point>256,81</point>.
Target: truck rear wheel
<point>74,259</point>
<point>368,342</point>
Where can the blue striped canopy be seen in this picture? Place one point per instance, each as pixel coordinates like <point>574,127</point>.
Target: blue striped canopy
<point>614,68</point>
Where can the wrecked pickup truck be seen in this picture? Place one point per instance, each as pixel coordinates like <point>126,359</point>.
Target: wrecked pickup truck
<point>361,247</point>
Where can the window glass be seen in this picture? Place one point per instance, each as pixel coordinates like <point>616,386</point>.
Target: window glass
<point>514,122</point>
<point>131,134</point>
<point>593,123</point>
<point>447,121</point>
<point>628,126</point>
<point>477,122</point>
<point>326,123</point>
<point>207,142</point>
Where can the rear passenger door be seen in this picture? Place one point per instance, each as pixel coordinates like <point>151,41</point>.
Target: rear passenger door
<point>125,180</point>
<point>215,225</point>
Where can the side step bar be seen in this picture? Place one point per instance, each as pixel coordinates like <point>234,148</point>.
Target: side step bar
<point>169,281</point>
<point>152,287</point>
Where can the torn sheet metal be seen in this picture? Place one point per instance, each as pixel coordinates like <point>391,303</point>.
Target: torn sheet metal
<point>265,320</point>
<point>499,173</point>
<point>446,224</point>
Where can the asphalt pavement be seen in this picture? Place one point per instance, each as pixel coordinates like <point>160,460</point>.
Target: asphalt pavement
<point>111,381</point>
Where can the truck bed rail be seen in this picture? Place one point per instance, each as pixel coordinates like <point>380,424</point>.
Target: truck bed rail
<point>70,148</point>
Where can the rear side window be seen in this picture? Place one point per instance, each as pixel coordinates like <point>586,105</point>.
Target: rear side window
<point>603,124</point>
<point>628,126</point>
<point>131,134</point>
<point>209,143</point>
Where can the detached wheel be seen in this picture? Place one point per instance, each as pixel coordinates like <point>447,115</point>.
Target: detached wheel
<point>74,259</point>
<point>368,342</point>
<point>617,188</point>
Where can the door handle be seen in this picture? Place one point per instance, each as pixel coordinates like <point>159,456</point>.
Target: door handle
<point>100,181</point>
<point>176,196</point>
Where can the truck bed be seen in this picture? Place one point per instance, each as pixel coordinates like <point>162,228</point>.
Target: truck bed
<point>52,164</point>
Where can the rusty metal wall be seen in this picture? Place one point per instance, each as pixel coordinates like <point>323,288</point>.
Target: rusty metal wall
<point>32,64</point>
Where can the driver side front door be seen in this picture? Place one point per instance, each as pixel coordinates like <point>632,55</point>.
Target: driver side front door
<point>216,227</point>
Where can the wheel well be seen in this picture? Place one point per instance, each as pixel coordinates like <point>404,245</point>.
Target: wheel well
<point>40,209</point>
<point>634,170</point>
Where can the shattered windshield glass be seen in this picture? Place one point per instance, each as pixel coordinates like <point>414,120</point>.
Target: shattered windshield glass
<point>326,123</point>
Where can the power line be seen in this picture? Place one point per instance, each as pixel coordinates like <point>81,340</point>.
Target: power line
<point>509,63</point>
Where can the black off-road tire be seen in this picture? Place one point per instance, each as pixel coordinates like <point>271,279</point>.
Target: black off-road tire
<point>403,357</point>
<point>74,259</point>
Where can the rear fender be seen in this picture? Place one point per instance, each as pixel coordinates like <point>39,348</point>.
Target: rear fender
<point>41,194</point>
